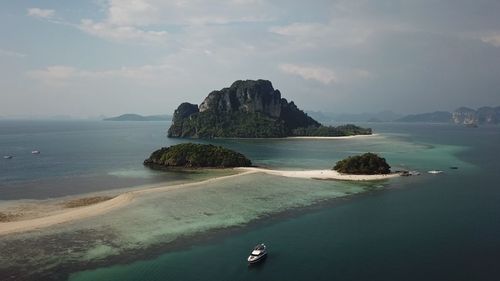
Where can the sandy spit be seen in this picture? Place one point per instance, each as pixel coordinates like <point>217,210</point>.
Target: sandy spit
<point>69,215</point>
<point>73,214</point>
<point>320,174</point>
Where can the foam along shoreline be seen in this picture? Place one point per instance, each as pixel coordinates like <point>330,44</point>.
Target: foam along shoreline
<point>333,138</point>
<point>70,215</point>
<point>320,174</point>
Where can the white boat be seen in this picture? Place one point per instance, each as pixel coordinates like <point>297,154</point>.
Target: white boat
<point>258,254</point>
<point>434,172</point>
<point>35,152</point>
<point>7,157</point>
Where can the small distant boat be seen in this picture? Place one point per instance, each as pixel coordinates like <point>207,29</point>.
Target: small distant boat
<point>8,157</point>
<point>258,254</point>
<point>454,167</point>
<point>35,152</point>
<point>434,172</point>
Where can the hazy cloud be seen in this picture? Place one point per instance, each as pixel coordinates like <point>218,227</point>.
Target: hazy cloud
<point>122,33</point>
<point>320,74</point>
<point>41,13</point>
<point>492,39</point>
<point>59,75</point>
<point>8,53</point>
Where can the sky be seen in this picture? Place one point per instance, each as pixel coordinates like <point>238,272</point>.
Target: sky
<point>108,57</point>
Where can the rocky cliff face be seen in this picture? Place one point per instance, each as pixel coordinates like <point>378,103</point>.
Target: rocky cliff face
<point>245,96</point>
<point>488,115</point>
<point>464,115</point>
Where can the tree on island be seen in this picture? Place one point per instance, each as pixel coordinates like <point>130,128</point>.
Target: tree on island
<point>191,155</point>
<point>366,164</point>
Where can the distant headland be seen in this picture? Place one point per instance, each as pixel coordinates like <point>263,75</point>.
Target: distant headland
<point>250,109</point>
<point>137,117</point>
<point>461,116</point>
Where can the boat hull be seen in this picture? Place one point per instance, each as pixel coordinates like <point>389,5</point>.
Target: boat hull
<point>257,259</point>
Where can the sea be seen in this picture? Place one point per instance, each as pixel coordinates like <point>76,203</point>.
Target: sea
<point>428,227</point>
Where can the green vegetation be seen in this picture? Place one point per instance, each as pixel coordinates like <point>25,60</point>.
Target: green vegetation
<point>192,155</point>
<point>366,164</point>
<point>238,124</point>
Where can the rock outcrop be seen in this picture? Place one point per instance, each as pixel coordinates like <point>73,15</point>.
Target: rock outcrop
<point>464,115</point>
<point>245,96</point>
<point>488,115</point>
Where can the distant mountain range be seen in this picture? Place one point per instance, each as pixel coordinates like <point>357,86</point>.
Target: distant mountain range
<point>463,115</point>
<point>431,117</point>
<point>383,116</point>
<point>137,117</point>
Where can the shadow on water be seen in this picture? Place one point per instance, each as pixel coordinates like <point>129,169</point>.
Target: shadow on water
<point>260,265</point>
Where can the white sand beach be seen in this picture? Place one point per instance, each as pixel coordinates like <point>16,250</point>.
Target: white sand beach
<point>320,174</point>
<point>334,138</point>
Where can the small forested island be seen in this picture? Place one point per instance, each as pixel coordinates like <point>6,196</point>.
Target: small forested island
<point>137,117</point>
<point>191,155</point>
<point>366,164</point>
<point>250,109</point>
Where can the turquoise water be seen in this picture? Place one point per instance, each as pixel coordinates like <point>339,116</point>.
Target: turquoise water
<point>442,227</point>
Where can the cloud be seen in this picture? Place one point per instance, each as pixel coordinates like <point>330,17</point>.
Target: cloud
<point>130,19</point>
<point>8,53</point>
<point>320,74</point>
<point>41,13</point>
<point>336,33</point>
<point>122,33</point>
<point>61,75</point>
<point>132,12</point>
<point>55,75</point>
<point>492,39</point>
<point>183,12</point>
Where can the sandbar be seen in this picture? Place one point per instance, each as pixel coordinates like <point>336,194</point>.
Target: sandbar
<point>73,214</point>
<point>320,174</point>
<point>78,213</point>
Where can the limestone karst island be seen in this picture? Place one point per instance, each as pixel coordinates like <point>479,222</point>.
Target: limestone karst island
<point>250,109</point>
